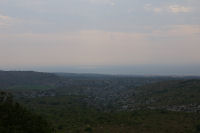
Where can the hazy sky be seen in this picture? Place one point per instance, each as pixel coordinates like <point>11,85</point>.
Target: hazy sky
<point>100,33</point>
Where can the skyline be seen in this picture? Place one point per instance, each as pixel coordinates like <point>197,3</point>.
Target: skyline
<point>102,35</point>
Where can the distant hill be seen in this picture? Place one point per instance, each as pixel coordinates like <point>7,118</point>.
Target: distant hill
<point>27,79</point>
<point>26,83</point>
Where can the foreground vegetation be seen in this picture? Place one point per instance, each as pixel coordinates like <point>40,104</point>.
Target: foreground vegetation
<point>69,114</point>
<point>16,119</point>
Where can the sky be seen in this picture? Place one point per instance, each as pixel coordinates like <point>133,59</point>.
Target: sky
<point>101,36</point>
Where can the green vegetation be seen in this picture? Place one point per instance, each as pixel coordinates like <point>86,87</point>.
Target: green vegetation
<point>76,103</point>
<point>70,114</point>
<point>16,119</point>
<point>167,93</point>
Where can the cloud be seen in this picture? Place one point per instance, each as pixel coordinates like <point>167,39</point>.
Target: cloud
<point>5,21</point>
<point>110,2</point>
<point>177,31</point>
<point>170,8</point>
<point>150,7</point>
<point>89,47</point>
<point>158,10</point>
<point>91,32</point>
<point>10,22</point>
<point>179,9</point>
<point>170,45</point>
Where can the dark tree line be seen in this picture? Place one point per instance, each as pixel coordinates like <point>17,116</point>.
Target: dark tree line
<point>16,119</point>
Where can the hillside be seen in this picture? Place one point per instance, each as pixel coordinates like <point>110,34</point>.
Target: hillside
<point>167,94</point>
<point>71,114</point>
<point>84,103</point>
<point>101,89</point>
<point>106,92</point>
<point>28,79</point>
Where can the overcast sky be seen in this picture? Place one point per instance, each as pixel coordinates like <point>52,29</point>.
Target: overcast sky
<point>93,34</point>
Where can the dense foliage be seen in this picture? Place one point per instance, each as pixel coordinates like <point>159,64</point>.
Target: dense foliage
<point>16,119</point>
